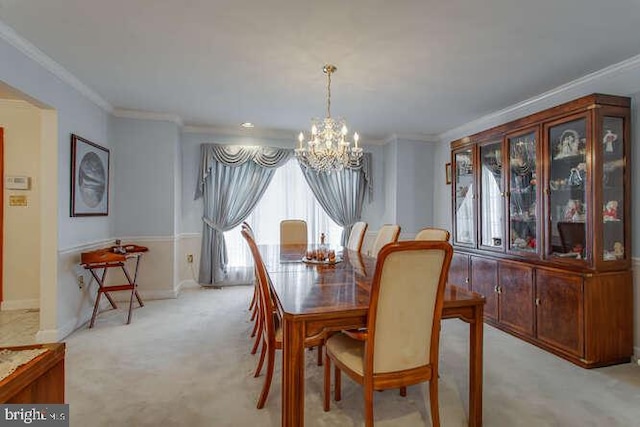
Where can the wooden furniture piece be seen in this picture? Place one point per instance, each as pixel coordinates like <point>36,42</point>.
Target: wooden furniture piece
<point>314,300</point>
<point>433,233</point>
<point>388,233</point>
<point>293,232</point>
<point>356,237</point>
<point>41,380</point>
<point>542,228</point>
<point>270,323</point>
<point>396,351</point>
<point>113,257</point>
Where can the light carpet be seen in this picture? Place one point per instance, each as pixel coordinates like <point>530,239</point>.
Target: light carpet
<point>186,362</point>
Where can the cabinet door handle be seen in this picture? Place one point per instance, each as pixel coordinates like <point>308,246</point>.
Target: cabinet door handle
<point>495,289</point>
<point>537,301</point>
<point>499,289</point>
<point>466,280</point>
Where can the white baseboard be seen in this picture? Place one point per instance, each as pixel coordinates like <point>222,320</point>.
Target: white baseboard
<point>187,284</point>
<point>146,295</point>
<point>56,335</point>
<point>20,304</point>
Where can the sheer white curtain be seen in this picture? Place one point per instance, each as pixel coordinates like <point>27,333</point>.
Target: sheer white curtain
<point>287,197</point>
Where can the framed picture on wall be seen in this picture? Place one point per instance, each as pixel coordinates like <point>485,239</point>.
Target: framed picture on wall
<point>89,178</point>
<point>447,173</point>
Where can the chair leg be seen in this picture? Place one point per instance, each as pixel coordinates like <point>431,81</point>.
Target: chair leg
<point>255,311</point>
<point>253,298</point>
<point>320,347</point>
<point>271,355</point>
<point>403,391</point>
<point>337,393</point>
<point>258,337</point>
<point>368,405</point>
<point>433,401</point>
<point>327,382</point>
<point>261,361</point>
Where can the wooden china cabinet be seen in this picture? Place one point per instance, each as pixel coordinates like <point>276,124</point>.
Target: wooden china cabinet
<point>541,228</point>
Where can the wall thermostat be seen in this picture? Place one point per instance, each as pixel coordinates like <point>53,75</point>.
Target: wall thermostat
<point>17,182</point>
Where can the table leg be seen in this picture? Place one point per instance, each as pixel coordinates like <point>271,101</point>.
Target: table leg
<point>293,373</point>
<point>475,368</point>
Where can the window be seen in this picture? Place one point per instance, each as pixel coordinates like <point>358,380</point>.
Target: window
<point>287,197</point>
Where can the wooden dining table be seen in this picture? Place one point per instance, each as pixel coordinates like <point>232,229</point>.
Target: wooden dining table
<point>316,299</point>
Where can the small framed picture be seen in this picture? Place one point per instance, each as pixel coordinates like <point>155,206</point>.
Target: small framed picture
<point>447,173</point>
<point>89,178</point>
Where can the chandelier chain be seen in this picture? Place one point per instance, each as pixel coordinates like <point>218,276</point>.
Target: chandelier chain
<point>329,93</point>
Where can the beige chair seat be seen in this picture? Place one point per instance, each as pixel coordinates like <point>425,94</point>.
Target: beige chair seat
<point>348,350</point>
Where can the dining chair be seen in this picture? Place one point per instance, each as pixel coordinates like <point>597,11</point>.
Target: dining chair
<point>388,233</point>
<point>293,232</point>
<point>433,233</point>
<point>271,326</point>
<point>399,347</point>
<point>356,238</point>
<point>254,306</point>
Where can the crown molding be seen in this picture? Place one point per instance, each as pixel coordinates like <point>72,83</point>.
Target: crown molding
<point>578,87</point>
<point>417,137</point>
<point>147,115</point>
<point>30,50</point>
<point>239,131</point>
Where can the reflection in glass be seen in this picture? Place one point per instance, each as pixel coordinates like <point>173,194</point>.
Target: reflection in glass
<point>567,189</point>
<point>464,197</point>
<point>613,189</point>
<point>491,211</point>
<point>522,193</point>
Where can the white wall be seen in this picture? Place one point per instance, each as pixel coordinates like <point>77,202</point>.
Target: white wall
<point>21,263</point>
<point>60,296</point>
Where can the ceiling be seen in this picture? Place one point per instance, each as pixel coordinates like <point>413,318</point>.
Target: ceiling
<point>415,68</point>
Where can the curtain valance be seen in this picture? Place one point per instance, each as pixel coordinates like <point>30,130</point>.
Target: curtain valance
<point>235,155</point>
<point>365,166</point>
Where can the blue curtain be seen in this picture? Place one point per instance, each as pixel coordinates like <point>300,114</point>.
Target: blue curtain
<point>341,193</point>
<point>231,181</point>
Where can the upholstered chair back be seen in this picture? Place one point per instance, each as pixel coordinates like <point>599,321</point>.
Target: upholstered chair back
<point>406,307</point>
<point>433,233</point>
<point>293,232</point>
<point>388,233</point>
<point>357,236</point>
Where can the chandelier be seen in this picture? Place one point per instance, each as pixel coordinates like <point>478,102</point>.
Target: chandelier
<point>327,149</point>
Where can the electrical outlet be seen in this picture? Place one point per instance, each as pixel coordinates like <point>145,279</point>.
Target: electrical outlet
<point>190,258</point>
<point>80,281</point>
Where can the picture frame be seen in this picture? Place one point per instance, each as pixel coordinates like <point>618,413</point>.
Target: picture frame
<point>447,173</point>
<point>89,178</point>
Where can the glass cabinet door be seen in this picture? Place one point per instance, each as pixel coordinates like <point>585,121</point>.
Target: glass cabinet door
<point>523,194</point>
<point>464,197</point>
<point>567,201</point>
<point>491,211</point>
<point>613,188</point>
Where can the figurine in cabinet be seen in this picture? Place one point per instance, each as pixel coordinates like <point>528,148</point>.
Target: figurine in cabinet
<point>610,211</point>
<point>572,211</point>
<point>618,250</point>
<point>569,144</point>
<point>608,140</point>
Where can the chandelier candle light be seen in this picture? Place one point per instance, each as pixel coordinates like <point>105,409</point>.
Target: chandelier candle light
<point>328,149</point>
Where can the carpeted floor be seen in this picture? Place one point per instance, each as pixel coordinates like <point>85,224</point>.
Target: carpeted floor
<point>186,362</point>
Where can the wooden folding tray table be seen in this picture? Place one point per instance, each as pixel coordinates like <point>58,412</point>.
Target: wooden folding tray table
<point>113,257</point>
